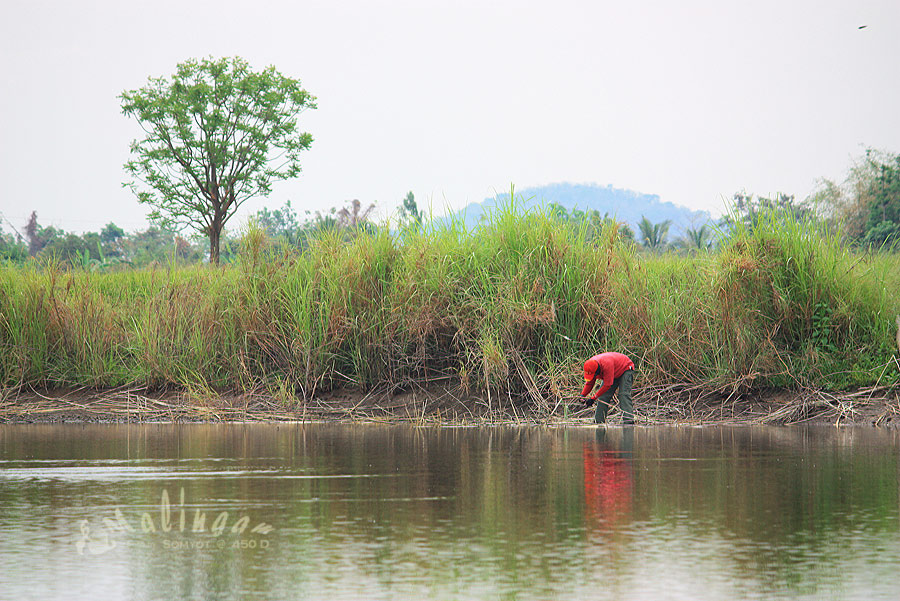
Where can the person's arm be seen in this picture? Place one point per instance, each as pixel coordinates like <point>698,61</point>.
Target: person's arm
<point>585,398</point>
<point>605,371</point>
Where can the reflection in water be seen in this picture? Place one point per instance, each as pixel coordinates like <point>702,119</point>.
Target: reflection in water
<point>370,512</point>
<point>608,480</point>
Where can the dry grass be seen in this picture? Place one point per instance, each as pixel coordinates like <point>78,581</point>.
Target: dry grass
<point>655,405</point>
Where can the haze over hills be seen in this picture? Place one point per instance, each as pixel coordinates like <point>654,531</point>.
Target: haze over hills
<point>625,205</point>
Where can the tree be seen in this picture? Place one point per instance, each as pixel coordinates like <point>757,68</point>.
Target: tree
<point>409,212</point>
<point>111,236</point>
<point>111,233</point>
<point>653,235</point>
<point>867,203</point>
<point>155,245</point>
<point>698,238</point>
<point>592,221</point>
<point>747,208</point>
<point>285,226</point>
<point>884,234</point>
<point>883,224</point>
<point>37,236</point>
<point>354,216</point>
<point>281,223</point>
<point>216,135</point>
<point>12,249</point>
<point>73,249</point>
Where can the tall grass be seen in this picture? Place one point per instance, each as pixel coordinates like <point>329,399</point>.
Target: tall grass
<point>511,308</point>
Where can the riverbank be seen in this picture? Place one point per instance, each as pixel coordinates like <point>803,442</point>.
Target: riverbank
<point>501,317</point>
<point>672,406</point>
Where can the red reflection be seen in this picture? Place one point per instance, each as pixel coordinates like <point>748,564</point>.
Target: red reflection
<point>607,482</point>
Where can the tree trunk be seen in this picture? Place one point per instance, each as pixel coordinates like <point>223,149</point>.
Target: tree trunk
<point>215,233</point>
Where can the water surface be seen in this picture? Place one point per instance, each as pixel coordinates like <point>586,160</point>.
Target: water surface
<point>397,512</point>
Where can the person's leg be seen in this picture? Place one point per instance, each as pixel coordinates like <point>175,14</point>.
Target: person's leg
<point>625,403</point>
<point>600,411</point>
<point>603,402</point>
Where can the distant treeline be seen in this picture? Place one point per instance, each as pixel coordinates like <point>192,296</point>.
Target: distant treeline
<point>865,207</point>
<point>113,248</point>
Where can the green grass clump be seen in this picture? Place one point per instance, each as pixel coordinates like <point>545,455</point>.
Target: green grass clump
<point>798,307</point>
<point>512,307</point>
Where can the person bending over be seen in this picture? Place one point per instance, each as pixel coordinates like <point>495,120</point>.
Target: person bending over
<point>616,372</point>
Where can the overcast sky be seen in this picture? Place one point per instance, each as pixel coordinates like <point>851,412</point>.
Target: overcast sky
<point>691,100</point>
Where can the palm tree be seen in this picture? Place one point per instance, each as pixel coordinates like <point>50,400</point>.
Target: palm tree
<point>653,235</point>
<point>353,216</point>
<point>698,238</point>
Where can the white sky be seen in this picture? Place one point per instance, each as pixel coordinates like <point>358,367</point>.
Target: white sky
<point>692,100</point>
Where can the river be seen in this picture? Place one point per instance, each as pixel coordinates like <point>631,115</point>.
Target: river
<point>337,511</point>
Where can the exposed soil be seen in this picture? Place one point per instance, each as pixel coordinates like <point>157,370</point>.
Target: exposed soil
<point>452,405</point>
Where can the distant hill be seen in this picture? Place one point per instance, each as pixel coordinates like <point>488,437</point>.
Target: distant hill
<point>624,205</point>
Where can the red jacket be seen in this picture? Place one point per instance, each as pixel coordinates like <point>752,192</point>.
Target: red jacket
<point>607,367</point>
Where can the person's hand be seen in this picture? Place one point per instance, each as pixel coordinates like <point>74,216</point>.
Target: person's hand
<point>587,401</point>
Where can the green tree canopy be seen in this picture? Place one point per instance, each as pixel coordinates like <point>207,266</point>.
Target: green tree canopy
<point>12,249</point>
<point>216,134</point>
<point>591,220</point>
<point>111,233</point>
<point>281,223</point>
<point>883,224</point>
<point>748,209</point>
<point>867,203</point>
<point>409,212</point>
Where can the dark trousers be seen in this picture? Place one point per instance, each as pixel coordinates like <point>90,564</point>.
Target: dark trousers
<point>623,385</point>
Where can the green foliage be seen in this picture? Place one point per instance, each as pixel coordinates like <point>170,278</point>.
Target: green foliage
<point>821,334</point>
<point>157,246</point>
<point>285,228</point>
<point>590,221</point>
<point>748,210</point>
<point>111,248</point>
<point>884,234</point>
<point>37,236</point>
<point>653,235</point>
<point>867,202</point>
<point>797,294</point>
<point>698,239</point>
<point>72,249</point>
<point>409,214</point>
<point>216,134</point>
<point>883,225</point>
<point>111,233</point>
<point>281,223</point>
<point>512,307</point>
<point>12,249</point>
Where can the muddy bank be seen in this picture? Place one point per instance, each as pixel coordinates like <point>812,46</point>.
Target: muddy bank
<point>878,407</point>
